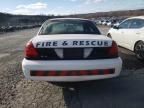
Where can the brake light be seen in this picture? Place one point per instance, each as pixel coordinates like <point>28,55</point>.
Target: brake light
<point>113,50</point>
<point>30,51</point>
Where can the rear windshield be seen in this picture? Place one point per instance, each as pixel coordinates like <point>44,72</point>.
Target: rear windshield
<point>68,27</point>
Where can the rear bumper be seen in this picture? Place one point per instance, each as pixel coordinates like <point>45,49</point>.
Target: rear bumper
<point>62,65</point>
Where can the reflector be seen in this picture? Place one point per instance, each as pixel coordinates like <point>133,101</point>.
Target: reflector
<point>72,73</point>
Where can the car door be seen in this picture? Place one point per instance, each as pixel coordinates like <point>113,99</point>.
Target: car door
<point>122,31</point>
<point>132,35</point>
<point>118,32</point>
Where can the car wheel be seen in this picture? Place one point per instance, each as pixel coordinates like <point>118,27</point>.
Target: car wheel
<point>109,35</point>
<point>139,50</point>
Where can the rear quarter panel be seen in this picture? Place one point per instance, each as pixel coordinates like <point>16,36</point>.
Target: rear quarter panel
<point>139,38</point>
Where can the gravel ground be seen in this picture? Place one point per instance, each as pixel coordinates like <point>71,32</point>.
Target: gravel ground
<point>16,92</point>
<point>125,91</point>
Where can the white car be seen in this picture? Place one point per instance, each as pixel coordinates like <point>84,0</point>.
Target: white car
<point>104,23</point>
<point>109,23</point>
<point>70,49</point>
<point>130,34</point>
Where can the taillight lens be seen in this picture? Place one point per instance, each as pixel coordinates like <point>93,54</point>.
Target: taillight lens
<point>30,51</point>
<point>113,50</point>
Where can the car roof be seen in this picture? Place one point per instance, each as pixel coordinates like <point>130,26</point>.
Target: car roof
<point>137,17</point>
<point>74,19</point>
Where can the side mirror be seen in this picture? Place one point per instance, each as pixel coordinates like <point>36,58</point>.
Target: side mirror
<point>115,27</point>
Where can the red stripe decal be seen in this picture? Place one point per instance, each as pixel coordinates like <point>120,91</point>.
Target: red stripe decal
<point>63,73</point>
<point>94,72</point>
<point>72,73</point>
<point>52,73</point>
<point>83,72</point>
<point>106,71</point>
<point>40,73</point>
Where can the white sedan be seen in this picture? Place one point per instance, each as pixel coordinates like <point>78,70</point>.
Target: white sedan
<point>130,34</point>
<point>68,49</point>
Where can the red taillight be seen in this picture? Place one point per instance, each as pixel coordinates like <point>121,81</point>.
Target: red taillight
<point>113,51</point>
<point>30,51</point>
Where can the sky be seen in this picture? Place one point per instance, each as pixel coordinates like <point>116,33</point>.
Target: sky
<point>66,7</point>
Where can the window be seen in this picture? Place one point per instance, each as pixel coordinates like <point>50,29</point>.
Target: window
<point>68,27</point>
<point>137,23</point>
<point>125,24</point>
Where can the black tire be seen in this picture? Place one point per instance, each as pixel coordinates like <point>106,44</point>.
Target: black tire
<point>109,35</point>
<point>139,50</point>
